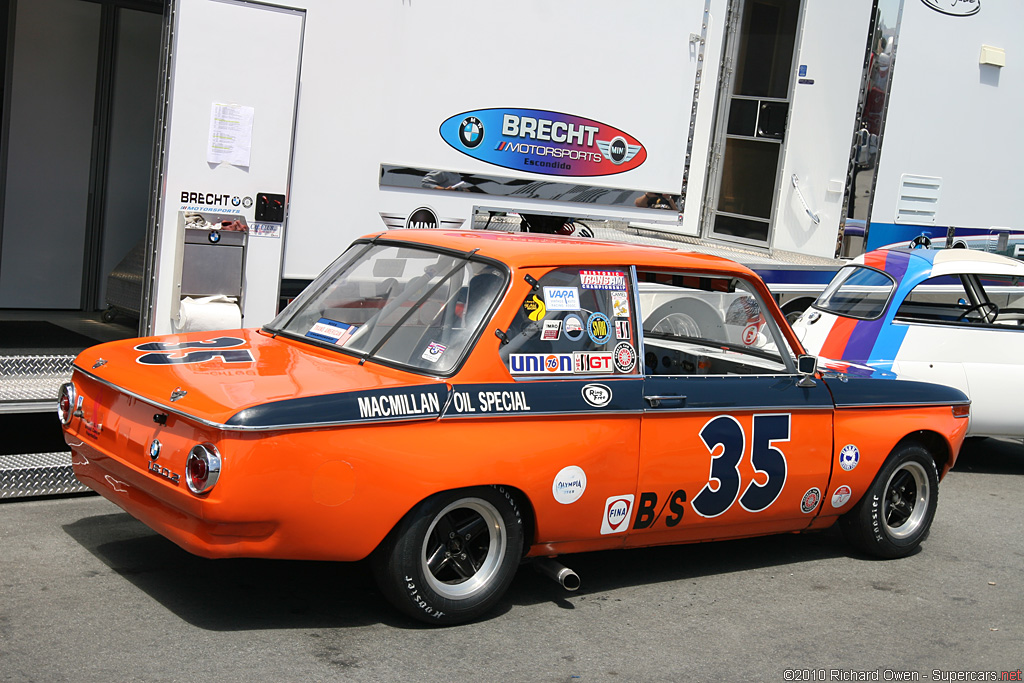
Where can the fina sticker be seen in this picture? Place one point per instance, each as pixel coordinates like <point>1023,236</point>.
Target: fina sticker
<point>603,279</point>
<point>573,326</point>
<point>616,514</point>
<point>622,330</point>
<point>433,352</point>
<point>569,484</point>
<point>810,500</point>
<point>552,330</point>
<point>620,304</point>
<point>841,496</point>
<point>849,457</point>
<point>625,357</point>
<point>331,331</point>
<point>535,308</point>
<point>599,328</point>
<point>562,298</point>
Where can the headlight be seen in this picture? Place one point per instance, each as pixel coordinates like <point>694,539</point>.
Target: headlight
<point>202,469</point>
<point>66,402</point>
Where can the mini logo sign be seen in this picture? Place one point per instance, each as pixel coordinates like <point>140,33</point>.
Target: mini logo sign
<point>955,8</point>
<point>569,484</point>
<point>422,218</point>
<point>597,395</point>
<point>616,514</point>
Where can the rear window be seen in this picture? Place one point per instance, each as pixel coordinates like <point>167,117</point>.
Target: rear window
<point>857,292</point>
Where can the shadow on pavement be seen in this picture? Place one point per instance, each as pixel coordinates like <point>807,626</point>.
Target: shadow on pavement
<point>991,456</point>
<point>253,594</point>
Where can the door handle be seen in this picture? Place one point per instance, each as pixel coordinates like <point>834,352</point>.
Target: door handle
<point>655,401</point>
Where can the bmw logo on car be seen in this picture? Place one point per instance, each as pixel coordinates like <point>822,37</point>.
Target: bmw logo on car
<point>471,132</point>
<point>154,449</point>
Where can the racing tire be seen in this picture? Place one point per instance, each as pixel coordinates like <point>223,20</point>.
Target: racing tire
<point>896,512</point>
<point>453,556</point>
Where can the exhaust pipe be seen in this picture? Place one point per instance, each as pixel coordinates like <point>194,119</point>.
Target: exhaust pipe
<point>566,578</point>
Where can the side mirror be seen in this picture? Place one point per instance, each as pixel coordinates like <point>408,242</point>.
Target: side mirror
<point>806,366</point>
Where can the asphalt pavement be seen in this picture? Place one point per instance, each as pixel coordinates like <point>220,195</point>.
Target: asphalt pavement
<point>89,594</point>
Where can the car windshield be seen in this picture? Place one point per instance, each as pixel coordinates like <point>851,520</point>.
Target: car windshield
<point>403,305</point>
<point>857,292</point>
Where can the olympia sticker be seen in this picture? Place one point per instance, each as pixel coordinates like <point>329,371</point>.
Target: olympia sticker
<point>569,484</point>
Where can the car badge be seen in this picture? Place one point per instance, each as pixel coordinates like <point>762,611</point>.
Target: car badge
<point>178,393</point>
<point>98,364</point>
<point>154,449</point>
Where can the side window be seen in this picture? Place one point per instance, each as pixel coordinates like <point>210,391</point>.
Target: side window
<point>575,321</point>
<point>702,325</point>
<point>966,300</point>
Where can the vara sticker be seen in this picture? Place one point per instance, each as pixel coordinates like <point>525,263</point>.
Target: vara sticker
<point>620,304</point>
<point>597,395</point>
<point>841,496</point>
<point>535,308</point>
<point>573,326</point>
<point>552,330</point>
<point>433,351</point>
<point>625,357</point>
<point>587,362</point>
<point>849,457</point>
<point>599,328</point>
<point>810,500</point>
<point>603,279</point>
<point>616,514</point>
<point>622,330</point>
<point>569,484</point>
<point>331,331</point>
<point>562,298</point>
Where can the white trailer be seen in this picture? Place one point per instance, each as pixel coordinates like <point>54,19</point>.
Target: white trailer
<point>781,133</point>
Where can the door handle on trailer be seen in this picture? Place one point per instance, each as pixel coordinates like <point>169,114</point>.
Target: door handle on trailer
<point>655,401</point>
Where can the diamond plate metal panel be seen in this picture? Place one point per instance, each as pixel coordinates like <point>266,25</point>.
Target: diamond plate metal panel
<point>37,474</point>
<point>33,378</point>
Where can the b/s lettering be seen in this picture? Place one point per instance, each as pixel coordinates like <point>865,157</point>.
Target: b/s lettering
<point>724,438</point>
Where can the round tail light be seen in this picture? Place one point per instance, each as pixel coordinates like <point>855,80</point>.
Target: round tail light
<point>66,402</point>
<point>202,469</point>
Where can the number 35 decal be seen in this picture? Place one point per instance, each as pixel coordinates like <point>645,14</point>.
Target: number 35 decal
<point>724,434</point>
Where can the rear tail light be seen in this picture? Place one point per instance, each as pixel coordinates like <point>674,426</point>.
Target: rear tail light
<point>962,410</point>
<point>66,402</point>
<point>202,469</point>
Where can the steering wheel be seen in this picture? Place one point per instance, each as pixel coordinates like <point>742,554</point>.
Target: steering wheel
<point>983,317</point>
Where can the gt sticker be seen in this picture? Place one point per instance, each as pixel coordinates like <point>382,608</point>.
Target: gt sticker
<point>810,500</point>
<point>599,328</point>
<point>551,331</point>
<point>849,457</point>
<point>562,298</point>
<point>573,326</point>
<point>225,348</point>
<point>725,440</point>
<point>625,357</point>
<point>617,510</point>
<point>620,304</point>
<point>603,279</point>
<point>569,484</point>
<point>841,496</point>
<point>535,308</point>
<point>584,362</point>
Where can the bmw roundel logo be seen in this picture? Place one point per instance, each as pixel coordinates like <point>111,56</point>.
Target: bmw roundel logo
<point>849,457</point>
<point>235,201</point>
<point>471,132</point>
<point>154,449</point>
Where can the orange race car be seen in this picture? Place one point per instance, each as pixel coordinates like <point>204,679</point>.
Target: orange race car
<point>450,403</point>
